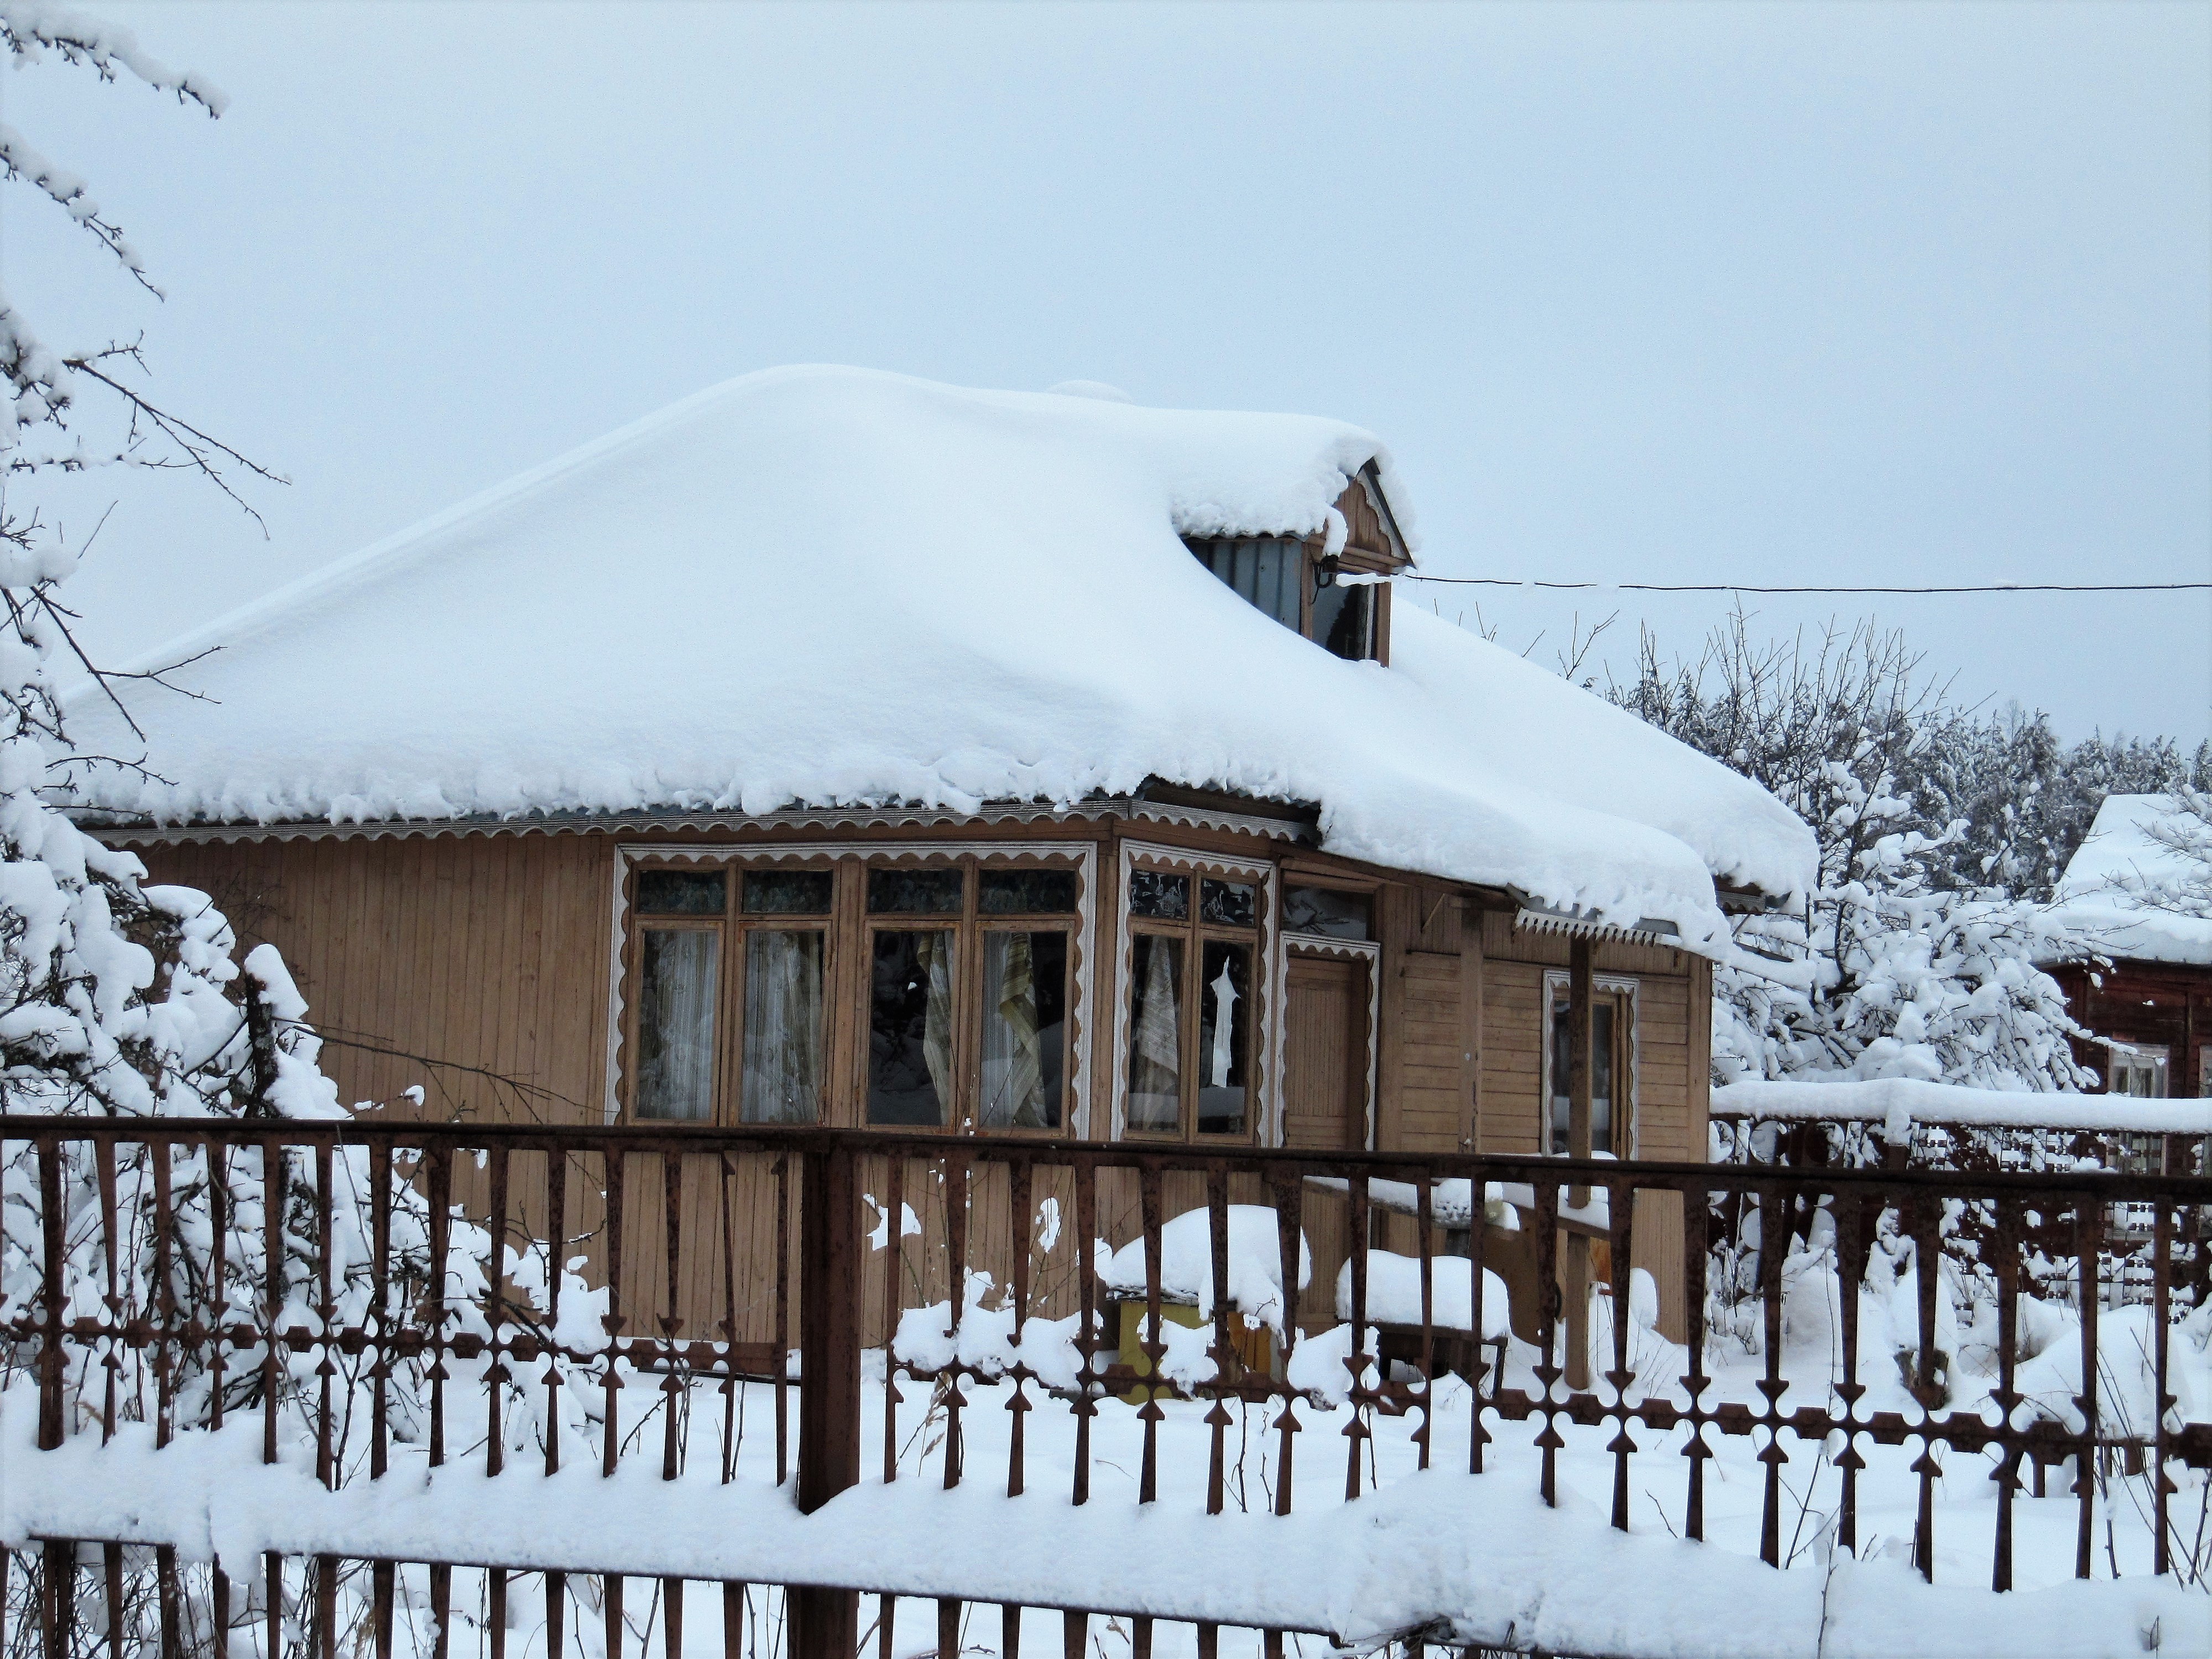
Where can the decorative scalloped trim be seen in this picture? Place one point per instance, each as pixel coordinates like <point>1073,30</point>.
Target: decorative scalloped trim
<point>1544,921</point>
<point>797,817</point>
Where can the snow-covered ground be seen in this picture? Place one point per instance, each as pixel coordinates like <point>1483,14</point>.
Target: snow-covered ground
<point>1476,1558</point>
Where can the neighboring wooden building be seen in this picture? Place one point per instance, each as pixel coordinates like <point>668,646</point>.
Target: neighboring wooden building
<point>2137,975</point>
<point>1157,950</point>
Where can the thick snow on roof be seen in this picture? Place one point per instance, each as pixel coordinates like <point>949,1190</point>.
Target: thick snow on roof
<point>833,586</point>
<point>2090,909</point>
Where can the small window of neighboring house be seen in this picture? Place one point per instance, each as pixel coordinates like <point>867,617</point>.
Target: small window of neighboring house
<point>1613,1069</point>
<point>1194,1012</point>
<point>2139,1069</point>
<point>697,930</point>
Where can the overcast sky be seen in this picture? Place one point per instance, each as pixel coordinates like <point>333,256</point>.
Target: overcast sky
<point>1864,294</point>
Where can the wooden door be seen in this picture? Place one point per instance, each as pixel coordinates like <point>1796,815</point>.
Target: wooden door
<point>1325,1102</point>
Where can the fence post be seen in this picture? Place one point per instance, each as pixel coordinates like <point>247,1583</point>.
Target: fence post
<point>825,1623</point>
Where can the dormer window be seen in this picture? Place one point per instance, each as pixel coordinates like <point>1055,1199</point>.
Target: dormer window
<point>1343,619</point>
<point>1337,601</point>
<point>1268,572</point>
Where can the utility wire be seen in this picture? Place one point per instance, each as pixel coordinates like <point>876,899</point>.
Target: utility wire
<point>1740,588</point>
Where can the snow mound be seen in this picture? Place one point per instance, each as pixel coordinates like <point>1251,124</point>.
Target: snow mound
<point>1255,1259</point>
<point>836,587</point>
<point>1393,1293</point>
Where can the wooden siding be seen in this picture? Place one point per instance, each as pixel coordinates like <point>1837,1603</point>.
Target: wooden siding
<point>473,966</point>
<point>1674,1038</point>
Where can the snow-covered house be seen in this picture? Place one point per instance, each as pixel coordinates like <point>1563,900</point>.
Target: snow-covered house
<point>2136,973</point>
<point>837,747</point>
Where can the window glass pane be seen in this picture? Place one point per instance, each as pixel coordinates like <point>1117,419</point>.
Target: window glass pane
<point>915,892</point>
<point>782,1066</point>
<point>1225,1009</point>
<point>1563,1049</point>
<point>787,893</point>
<point>1266,572</point>
<point>1327,912</point>
<point>1601,1077</point>
<point>1024,1029</point>
<point>1154,893</point>
<point>1229,903</point>
<point>910,1029</point>
<point>676,1024</point>
<point>682,892</point>
<point>1155,1034</point>
<point>1344,620</point>
<point>1027,893</point>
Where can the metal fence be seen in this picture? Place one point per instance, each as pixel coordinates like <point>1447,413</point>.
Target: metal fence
<point>370,1290</point>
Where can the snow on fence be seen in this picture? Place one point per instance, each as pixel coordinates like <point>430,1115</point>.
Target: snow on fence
<point>1899,1104</point>
<point>1902,1122</point>
<point>285,1388</point>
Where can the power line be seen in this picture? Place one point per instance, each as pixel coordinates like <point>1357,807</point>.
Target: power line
<point>1742,587</point>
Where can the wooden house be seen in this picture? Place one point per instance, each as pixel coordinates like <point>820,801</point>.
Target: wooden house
<point>837,747</point>
<point>2137,975</point>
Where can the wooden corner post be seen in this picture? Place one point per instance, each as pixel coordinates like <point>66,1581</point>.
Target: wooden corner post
<point>825,1623</point>
<point>1576,1258</point>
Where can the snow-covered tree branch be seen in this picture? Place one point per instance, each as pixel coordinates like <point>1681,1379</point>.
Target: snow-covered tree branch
<point>1887,970</point>
<point>2181,881</point>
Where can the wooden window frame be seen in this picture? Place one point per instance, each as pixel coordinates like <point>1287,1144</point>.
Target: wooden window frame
<point>968,927</point>
<point>1263,1062</point>
<point>734,927</point>
<point>847,948</point>
<point>1622,989</point>
<point>1312,564</point>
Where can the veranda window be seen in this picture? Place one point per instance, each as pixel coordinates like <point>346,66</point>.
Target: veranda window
<point>968,996</point>
<point>689,1029</point>
<point>1193,1018</point>
<point>1612,1105</point>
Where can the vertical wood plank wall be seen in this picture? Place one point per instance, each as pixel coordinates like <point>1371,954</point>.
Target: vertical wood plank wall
<point>473,966</point>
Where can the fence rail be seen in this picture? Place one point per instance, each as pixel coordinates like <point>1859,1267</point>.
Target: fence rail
<point>511,1298</point>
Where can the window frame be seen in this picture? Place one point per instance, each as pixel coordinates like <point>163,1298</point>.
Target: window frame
<point>2152,1060</point>
<point>734,928</point>
<point>847,955</point>
<point>1621,988</point>
<point>1263,1033</point>
<point>1365,570</point>
<point>968,927</point>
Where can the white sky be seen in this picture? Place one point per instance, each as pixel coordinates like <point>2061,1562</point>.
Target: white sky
<point>1770,293</point>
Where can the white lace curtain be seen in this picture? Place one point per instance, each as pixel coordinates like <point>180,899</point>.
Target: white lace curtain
<point>782,1065</point>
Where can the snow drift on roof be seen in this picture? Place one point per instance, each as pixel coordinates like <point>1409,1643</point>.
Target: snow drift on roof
<point>2090,907</point>
<point>832,587</point>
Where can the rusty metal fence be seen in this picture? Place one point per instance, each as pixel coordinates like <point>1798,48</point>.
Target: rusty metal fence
<point>449,1294</point>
